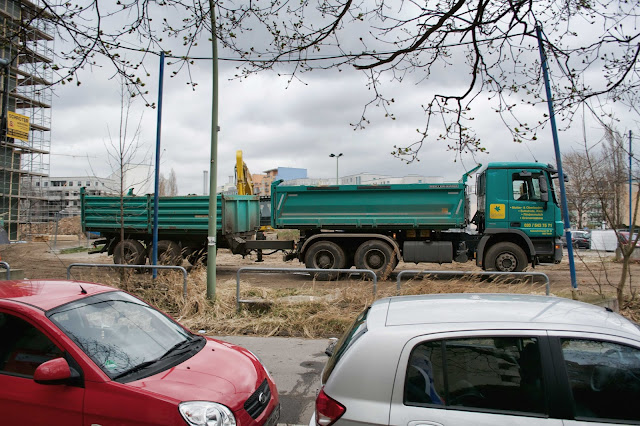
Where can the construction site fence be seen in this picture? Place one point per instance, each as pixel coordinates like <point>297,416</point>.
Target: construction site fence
<point>153,267</point>
<point>402,274</point>
<point>374,278</point>
<point>6,266</point>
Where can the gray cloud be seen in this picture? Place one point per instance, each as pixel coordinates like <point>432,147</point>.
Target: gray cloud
<point>277,124</point>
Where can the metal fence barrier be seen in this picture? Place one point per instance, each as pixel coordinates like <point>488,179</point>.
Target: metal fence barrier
<point>463,273</point>
<point>6,266</point>
<point>106,265</point>
<point>305,270</point>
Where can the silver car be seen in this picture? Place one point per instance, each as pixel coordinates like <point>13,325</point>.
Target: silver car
<point>482,359</point>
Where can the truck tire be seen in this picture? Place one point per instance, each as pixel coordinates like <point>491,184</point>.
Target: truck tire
<point>325,255</point>
<point>196,256</point>
<point>129,252</point>
<point>376,256</point>
<point>506,257</point>
<point>168,253</point>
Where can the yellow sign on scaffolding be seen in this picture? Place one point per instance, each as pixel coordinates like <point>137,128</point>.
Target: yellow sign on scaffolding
<point>17,126</point>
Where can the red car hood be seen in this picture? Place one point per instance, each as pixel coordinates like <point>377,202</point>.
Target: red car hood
<point>220,372</point>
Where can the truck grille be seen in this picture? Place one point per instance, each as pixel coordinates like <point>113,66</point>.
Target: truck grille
<point>255,405</point>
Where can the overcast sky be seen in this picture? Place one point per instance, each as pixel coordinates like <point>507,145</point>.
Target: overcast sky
<point>278,124</point>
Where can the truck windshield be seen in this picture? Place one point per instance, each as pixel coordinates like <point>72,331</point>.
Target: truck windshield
<point>357,329</point>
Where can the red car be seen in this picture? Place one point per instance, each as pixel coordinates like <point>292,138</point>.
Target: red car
<point>77,353</point>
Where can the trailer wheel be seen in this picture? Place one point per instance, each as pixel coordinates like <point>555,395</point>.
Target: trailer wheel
<point>506,257</point>
<point>129,252</point>
<point>168,253</point>
<point>198,258</point>
<point>376,256</point>
<point>325,255</point>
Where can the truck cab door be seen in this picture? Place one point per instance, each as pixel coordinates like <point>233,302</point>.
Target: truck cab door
<point>528,205</point>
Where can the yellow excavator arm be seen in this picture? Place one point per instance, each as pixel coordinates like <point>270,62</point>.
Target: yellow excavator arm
<point>243,177</point>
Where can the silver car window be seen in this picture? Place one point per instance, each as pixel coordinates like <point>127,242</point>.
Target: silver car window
<point>604,379</point>
<point>493,373</point>
<point>357,329</point>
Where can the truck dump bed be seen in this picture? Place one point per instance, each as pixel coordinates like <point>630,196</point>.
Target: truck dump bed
<point>407,206</point>
<point>179,215</point>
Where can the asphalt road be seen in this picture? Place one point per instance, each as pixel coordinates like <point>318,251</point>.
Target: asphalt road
<point>295,365</point>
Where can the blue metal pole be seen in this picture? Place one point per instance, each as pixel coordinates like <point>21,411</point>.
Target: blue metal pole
<point>630,193</point>
<point>154,260</point>
<point>556,145</point>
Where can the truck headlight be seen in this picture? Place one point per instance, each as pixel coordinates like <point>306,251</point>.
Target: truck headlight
<point>204,413</point>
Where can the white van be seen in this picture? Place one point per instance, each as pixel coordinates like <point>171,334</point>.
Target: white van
<point>604,240</point>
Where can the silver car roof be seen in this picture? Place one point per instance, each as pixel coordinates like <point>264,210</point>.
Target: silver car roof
<point>501,310</point>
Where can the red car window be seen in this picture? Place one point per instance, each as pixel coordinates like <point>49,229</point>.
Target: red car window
<point>24,347</point>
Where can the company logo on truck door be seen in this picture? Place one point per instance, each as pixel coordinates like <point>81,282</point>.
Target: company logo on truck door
<point>496,211</point>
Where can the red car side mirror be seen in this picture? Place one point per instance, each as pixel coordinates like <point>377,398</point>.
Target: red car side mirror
<point>53,372</point>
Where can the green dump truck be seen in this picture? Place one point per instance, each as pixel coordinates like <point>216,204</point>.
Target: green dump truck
<point>518,221</point>
<point>182,226</point>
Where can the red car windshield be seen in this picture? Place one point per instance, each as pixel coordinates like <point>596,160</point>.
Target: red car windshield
<point>121,334</point>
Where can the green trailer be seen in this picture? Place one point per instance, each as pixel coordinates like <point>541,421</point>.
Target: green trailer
<point>517,221</point>
<point>126,225</point>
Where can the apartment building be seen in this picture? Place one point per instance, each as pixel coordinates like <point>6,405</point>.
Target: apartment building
<point>62,194</point>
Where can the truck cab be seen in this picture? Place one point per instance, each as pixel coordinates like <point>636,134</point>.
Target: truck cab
<point>517,206</point>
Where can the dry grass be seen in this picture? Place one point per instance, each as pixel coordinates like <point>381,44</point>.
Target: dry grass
<point>632,311</point>
<point>312,310</point>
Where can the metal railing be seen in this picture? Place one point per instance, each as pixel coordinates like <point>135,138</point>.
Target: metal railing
<point>472,273</point>
<point>106,265</point>
<point>6,266</point>
<point>305,270</point>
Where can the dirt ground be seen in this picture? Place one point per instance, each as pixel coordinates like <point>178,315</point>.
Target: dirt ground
<point>594,270</point>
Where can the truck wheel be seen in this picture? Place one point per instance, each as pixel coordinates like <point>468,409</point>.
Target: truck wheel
<point>506,257</point>
<point>195,255</point>
<point>198,258</point>
<point>376,256</point>
<point>168,253</point>
<point>325,255</point>
<point>129,252</point>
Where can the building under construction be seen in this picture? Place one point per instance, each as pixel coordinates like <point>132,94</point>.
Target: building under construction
<point>25,65</point>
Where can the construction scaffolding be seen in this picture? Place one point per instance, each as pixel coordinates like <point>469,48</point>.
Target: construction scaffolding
<point>27,50</point>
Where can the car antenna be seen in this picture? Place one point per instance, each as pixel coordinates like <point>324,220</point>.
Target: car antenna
<point>82,290</point>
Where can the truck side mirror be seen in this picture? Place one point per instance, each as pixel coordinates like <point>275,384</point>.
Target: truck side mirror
<point>544,189</point>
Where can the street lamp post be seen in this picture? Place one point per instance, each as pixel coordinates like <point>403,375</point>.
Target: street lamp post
<point>337,157</point>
